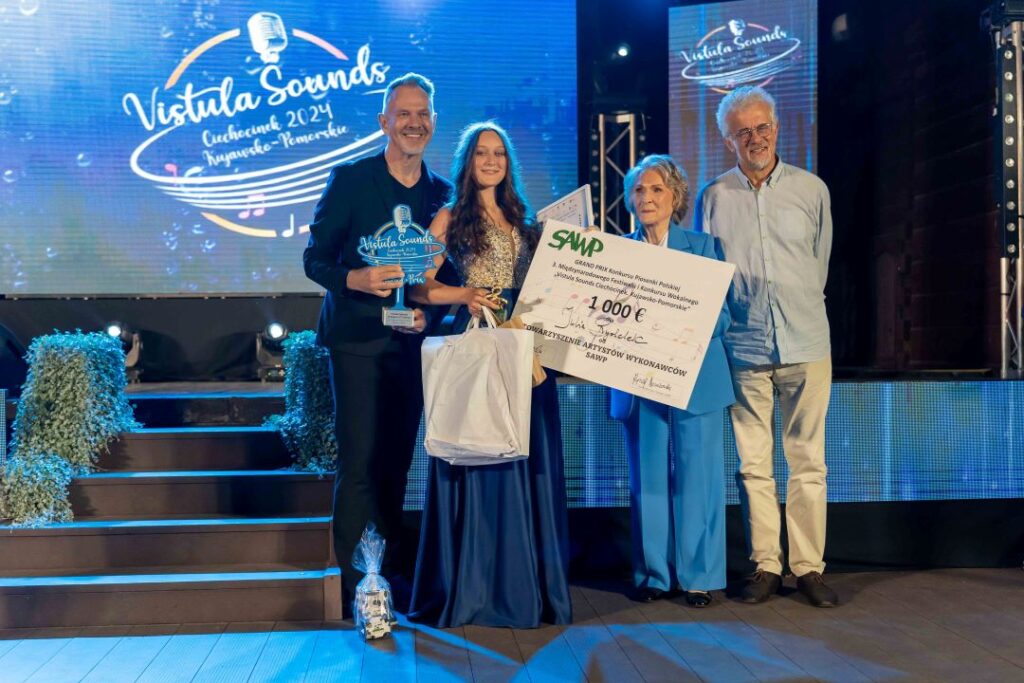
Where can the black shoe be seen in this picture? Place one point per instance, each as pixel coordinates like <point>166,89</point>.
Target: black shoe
<point>648,594</point>
<point>760,586</point>
<point>814,589</point>
<point>698,598</point>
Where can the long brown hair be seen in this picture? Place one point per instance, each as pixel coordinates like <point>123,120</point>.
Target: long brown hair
<point>466,227</point>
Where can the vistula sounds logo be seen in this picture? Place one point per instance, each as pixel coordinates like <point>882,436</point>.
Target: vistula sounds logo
<point>251,150</point>
<point>740,53</point>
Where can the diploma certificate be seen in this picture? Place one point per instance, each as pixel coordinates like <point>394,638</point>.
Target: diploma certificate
<point>574,208</point>
<point>622,313</point>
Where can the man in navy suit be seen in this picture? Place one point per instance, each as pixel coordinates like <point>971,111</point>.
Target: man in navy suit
<point>375,370</point>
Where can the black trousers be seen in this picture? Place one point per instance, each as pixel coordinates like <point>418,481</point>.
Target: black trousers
<point>378,401</point>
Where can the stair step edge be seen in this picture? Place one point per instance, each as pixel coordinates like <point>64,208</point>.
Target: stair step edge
<point>199,396</point>
<point>155,476</point>
<point>167,581</point>
<point>127,526</point>
<point>196,432</point>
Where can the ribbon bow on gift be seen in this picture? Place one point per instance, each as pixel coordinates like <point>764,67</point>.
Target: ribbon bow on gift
<point>495,296</point>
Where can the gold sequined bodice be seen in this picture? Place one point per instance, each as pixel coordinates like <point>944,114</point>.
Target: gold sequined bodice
<point>503,264</point>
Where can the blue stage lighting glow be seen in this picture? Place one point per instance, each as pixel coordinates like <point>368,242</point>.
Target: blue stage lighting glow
<point>885,442</point>
<point>3,427</point>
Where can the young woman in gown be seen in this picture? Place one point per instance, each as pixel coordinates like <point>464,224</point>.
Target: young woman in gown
<point>494,538</point>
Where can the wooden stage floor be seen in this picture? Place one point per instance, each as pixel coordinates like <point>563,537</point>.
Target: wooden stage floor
<point>942,625</point>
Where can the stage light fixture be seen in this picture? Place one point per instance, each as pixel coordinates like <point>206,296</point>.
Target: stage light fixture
<point>276,331</point>
<point>1006,20</point>
<point>131,344</point>
<point>840,28</point>
<point>270,351</point>
<point>622,51</point>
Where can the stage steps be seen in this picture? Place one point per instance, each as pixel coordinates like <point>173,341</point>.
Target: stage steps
<point>208,407</point>
<point>239,447</point>
<point>120,544</point>
<point>181,523</point>
<point>258,493</point>
<point>169,598</point>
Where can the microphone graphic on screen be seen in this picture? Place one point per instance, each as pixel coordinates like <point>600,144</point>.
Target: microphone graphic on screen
<point>737,26</point>
<point>268,35</point>
<point>402,216</point>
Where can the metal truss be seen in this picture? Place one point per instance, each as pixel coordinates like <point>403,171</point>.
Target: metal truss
<point>614,149</point>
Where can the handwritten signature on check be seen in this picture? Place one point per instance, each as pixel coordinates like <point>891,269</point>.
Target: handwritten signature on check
<point>651,384</point>
<point>602,326</point>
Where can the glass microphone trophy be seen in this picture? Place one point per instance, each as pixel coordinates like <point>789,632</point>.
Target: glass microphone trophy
<point>404,243</point>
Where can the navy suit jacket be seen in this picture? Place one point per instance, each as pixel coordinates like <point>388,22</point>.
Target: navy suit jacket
<point>713,390</point>
<point>354,204</point>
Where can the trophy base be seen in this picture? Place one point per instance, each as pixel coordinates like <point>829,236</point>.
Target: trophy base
<point>398,317</point>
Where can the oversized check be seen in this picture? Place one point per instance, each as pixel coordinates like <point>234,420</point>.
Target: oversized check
<point>621,312</point>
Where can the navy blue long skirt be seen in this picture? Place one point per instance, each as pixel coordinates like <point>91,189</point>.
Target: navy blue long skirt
<point>494,539</point>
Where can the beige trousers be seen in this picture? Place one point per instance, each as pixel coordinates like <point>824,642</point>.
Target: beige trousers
<point>803,390</point>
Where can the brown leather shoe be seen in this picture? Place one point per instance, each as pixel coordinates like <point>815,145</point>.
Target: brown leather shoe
<point>760,586</point>
<point>814,589</point>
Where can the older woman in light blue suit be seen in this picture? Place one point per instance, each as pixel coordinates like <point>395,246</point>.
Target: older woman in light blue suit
<point>677,482</point>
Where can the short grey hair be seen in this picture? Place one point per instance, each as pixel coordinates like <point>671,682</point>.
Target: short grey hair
<point>411,78</point>
<point>741,98</point>
<point>671,173</point>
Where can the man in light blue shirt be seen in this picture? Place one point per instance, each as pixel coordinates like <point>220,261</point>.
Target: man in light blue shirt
<point>774,223</point>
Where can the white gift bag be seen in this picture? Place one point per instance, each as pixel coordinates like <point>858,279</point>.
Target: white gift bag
<point>476,394</point>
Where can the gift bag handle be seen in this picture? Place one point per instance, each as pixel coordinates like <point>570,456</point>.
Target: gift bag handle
<point>488,317</point>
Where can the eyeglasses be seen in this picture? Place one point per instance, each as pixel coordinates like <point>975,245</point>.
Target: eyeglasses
<point>744,134</point>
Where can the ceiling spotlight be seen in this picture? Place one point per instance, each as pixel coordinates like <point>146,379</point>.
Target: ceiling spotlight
<point>622,51</point>
<point>840,28</point>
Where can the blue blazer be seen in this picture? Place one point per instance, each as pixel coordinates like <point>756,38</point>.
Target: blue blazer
<point>713,390</point>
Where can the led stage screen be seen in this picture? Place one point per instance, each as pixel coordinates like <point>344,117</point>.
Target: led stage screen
<point>884,442</point>
<point>714,48</point>
<point>179,146</point>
